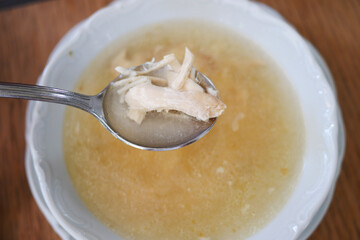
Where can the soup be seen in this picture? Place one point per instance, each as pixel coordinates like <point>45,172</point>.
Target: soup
<point>227,185</point>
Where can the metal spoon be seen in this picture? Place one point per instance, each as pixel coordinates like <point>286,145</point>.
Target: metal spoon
<point>95,106</point>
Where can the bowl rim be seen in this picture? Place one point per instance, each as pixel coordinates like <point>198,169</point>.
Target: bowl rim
<point>73,35</point>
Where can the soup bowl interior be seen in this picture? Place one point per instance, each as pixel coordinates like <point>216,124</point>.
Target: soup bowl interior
<point>77,49</point>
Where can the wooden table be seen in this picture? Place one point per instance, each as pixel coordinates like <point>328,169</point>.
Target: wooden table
<point>28,33</point>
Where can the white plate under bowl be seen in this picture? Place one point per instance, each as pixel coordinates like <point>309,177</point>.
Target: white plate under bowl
<point>275,36</point>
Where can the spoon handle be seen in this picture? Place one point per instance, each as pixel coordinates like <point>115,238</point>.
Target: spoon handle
<point>47,94</point>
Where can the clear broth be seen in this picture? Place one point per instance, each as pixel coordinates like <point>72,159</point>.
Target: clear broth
<point>227,185</point>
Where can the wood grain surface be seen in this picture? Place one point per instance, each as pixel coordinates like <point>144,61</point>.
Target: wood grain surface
<point>28,33</point>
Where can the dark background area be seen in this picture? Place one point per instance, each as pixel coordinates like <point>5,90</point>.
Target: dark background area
<point>29,32</point>
<point>12,3</point>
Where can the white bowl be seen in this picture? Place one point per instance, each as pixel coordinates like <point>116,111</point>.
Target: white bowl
<point>323,153</point>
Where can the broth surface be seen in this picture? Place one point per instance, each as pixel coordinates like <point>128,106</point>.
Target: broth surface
<point>227,185</point>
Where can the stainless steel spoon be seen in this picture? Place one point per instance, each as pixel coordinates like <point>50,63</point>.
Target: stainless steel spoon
<point>95,106</point>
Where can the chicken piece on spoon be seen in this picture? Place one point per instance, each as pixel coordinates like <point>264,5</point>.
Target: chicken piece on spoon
<point>167,86</point>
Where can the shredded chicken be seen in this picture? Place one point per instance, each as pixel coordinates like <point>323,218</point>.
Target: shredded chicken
<point>166,85</point>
